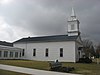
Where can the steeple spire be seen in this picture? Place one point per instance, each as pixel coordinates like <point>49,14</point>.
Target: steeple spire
<point>73,13</point>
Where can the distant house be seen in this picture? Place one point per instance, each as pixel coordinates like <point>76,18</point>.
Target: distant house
<point>65,48</point>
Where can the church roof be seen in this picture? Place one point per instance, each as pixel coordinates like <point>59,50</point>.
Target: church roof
<point>6,43</point>
<point>55,38</point>
<point>2,47</point>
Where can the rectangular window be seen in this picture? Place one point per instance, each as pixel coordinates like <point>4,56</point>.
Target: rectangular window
<point>11,54</point>
<point>72,27</point>
<point>5,53</point>
<point>61,52</point>
<point>0,53</point>
<point>46,52</point>
<point>20,54</point>
<point>23,53</point>
<point>16,54</point>
<point>34,52</point>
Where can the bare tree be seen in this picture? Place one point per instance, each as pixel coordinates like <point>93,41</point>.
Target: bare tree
<point>98,51</point>
<point>88,48</point>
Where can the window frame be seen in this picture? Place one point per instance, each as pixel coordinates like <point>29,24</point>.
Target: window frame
<point>20,54</point>
<point>16,54</point>
<point>34,52</point>
<point>5,53</point>
<point>11,54</point>
<point>0,53</point>
<point>23,52</point>
<point>46,52</point>
<point>61,52</point>
<point>72,26</point>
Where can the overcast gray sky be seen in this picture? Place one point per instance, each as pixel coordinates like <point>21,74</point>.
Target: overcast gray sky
<point>23,18</point>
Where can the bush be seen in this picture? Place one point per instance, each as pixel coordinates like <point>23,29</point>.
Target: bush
<point>67,69</point>
<point>63,69</point>
<point>85,60</point>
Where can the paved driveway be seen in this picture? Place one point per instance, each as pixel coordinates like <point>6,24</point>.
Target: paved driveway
<point>31,71</point>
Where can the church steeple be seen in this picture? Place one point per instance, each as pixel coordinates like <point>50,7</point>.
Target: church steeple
<point>73,25</point>
<point>73,13</point>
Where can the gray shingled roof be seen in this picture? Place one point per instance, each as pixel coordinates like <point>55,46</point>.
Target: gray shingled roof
<point>55,38</point>
<point>2,47</point>
<point>6,43</point>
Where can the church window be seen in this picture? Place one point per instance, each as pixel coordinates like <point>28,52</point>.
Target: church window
<point>34,52</point>
<point>16,54</point>
<point>72,27</point>
<point>61,52</point>
<point>80,48</point>
<point>0,53</point>
<point>20,54</point>
<point>79,54</point>
<point>23,53</point>
<point>46,52</point>
<point>5,53</point>
<point>11,54</point>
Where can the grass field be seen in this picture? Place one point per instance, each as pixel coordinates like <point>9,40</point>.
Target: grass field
<point>5,72</point>
<point>86,69</point>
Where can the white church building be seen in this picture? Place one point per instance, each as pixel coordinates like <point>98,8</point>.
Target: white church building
<point>65,48</point>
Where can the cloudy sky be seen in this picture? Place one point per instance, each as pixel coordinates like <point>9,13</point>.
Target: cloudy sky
<point>23,18</point>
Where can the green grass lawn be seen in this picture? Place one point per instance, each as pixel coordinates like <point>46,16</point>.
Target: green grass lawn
<point>27,63</point>
<point>5,72</point>
<point>86,69</point>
